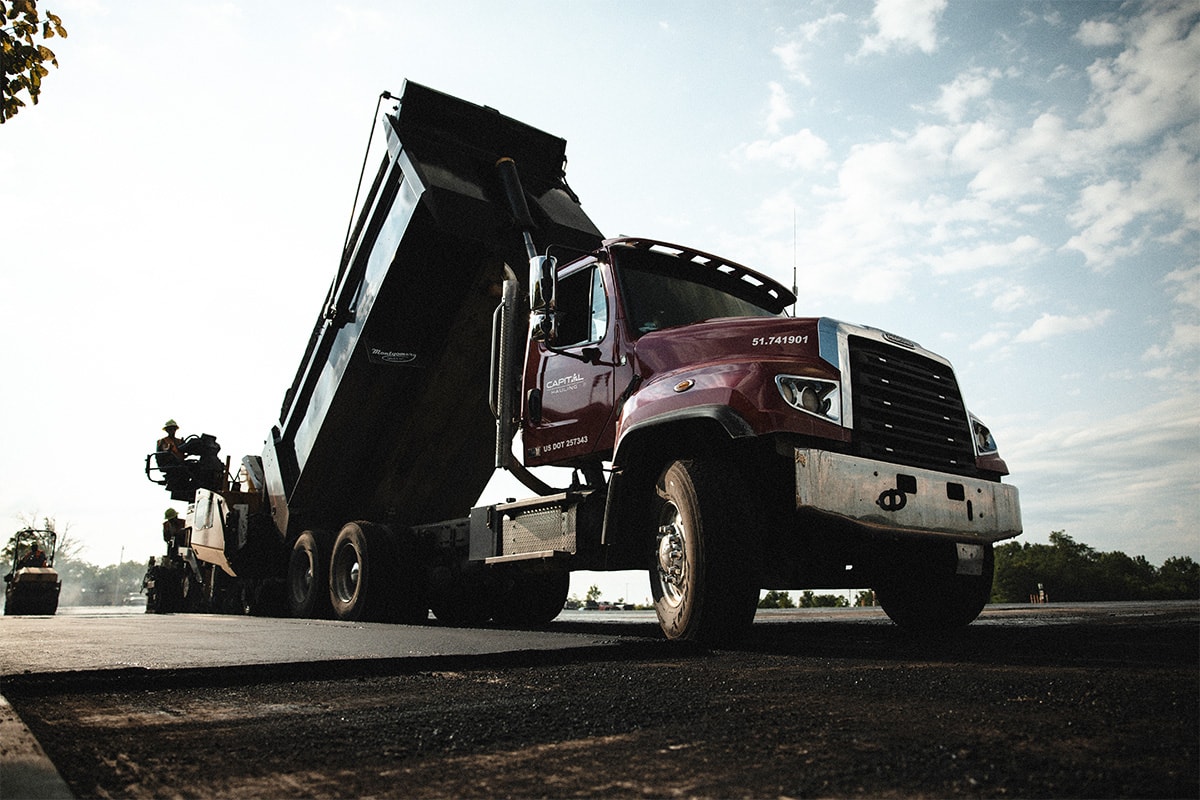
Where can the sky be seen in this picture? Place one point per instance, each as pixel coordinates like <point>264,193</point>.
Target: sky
<point>1015,185</point>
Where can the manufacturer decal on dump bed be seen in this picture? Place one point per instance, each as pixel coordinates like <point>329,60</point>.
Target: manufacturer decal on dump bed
<point>380,356</point>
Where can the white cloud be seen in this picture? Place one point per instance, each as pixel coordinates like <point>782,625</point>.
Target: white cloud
<point>904,24</point>
<point>794,53</point>
<point>1011,298</point>
<point>987,254</point>
<point>1184,340</point>
<point>1093,33</point>
<point>1103,211</point>
<point>778,108</point>
<point>1005,295</point>
<point>1182,346</point>
<point>1165,189</point>
<point>1140,486</point>
<point>1015,165</point>
<point>803,150</point>
<point>1188,283</point>
<point>990,341</point>
<point>1049,326</point>
<point>963,90</point>
<point>1154,83</point>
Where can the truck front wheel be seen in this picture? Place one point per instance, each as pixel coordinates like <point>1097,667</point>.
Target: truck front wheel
<point>308,577</point>
<point>702,584</point>
<point>926,595</point>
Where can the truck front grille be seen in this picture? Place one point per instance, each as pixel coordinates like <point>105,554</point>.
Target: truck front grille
<point>907,409</point>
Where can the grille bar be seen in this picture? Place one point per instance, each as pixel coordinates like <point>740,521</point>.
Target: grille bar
<point>908,409</point>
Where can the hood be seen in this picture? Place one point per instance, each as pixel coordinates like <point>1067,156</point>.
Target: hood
<point>735,339</point>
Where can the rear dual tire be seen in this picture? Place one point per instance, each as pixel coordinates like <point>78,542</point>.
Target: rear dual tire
<point>308,576</point>
<point>373,576</point>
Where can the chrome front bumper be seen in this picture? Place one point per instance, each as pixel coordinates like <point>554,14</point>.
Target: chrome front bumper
<point>892,497</point>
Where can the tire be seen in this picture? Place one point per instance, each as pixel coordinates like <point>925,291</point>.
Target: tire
<point>265,598</point>
<point>534,597</point>
<point>374,576</point>
<point>927,596</point>
<point>170,591</point>
<point>461,600</point>
<point>704,590</point>
<point>191,592</point>
<point>410,595</point>
<point>308,577</point>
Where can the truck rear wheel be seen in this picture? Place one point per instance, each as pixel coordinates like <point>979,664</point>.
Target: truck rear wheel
<point>373,577</point>
<point>357,573</point>
<point>927,596</point>
<point>308,576</point>
<point>702,585</point>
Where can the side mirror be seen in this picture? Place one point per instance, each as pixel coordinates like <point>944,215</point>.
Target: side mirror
<point>541,328</point>
<point>543,289</point>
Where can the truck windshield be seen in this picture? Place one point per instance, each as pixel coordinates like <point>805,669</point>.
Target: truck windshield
<point>660,292</point>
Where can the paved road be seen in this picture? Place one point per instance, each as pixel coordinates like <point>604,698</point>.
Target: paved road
<point>89,640</point>
<point>1053,701</point>
<point>125,644</point>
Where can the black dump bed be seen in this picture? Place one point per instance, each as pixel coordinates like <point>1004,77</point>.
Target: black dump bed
<point>388,417</point>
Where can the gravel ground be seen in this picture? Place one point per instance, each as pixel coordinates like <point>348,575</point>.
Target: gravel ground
<point>1093,707</point>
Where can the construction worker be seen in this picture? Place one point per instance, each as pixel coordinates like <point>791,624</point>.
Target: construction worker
<point>170,443</point>
<point>173,529</point>
<point>34,558</point>
<point>149,584</point>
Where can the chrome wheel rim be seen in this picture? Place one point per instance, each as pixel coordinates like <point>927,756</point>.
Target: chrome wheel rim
<point>346,573</point>
<point>672,566</point>
<point>302,577</point>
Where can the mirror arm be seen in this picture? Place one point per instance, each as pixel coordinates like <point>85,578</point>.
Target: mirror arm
<point>588,355</point>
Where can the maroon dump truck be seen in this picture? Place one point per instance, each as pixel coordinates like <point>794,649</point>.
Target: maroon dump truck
<point>479,321</point>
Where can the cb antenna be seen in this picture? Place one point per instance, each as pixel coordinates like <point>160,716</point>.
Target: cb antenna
<point>795,287</point>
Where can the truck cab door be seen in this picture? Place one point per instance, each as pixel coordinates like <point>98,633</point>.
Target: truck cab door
<point>568,414</point>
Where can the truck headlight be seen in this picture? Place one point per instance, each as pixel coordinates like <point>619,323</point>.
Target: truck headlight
<point>984,443</point>
<point>815,396</point>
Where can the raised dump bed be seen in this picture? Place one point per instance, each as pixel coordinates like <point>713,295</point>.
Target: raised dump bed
<point>388,416</point>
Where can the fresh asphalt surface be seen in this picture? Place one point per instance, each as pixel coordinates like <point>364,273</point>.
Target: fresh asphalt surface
<point>79,646</point>
<point>119,640</point>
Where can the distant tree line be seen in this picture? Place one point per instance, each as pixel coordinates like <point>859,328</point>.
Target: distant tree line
<point>809,599</point>
<point>85,584</point>
<point>1064,570</point>
<point>1071,571</point>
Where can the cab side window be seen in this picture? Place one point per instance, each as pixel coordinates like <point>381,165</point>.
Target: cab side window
<point>582,308</point>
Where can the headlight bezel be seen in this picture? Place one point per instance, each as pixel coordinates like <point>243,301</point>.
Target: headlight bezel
<point>981,437</point>
<point>817,397</point>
